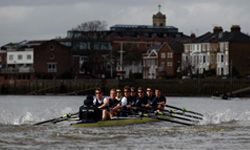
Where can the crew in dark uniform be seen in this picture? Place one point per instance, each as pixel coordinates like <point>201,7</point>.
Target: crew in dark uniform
<point>160,101</point>
<point>98,102</point>
<point>87,112</point>
<point>133,95</point>
<point>150,97</point>
<point>141,102</point>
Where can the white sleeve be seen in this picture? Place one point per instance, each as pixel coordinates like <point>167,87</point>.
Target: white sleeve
<point>105,101</point>
<point>124,101</point>
<point>94,101</point>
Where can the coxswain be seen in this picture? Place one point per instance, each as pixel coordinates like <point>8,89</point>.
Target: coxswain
<point>87,112</point>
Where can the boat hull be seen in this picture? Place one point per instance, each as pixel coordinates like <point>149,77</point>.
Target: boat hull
<point>117,122</point>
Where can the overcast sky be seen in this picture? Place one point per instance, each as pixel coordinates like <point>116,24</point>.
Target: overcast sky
<point>46,19</point>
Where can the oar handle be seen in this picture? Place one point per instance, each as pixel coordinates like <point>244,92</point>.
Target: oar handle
<point>184,110</point>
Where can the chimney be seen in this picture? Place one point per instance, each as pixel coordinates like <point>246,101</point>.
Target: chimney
<point>235,28</point>
<point>218,29</point>
<point>192,36</point>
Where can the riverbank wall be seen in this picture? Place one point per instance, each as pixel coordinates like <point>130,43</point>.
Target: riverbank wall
<point>187,87</point>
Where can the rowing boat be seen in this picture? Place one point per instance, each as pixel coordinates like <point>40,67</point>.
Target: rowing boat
<point>178,116</point>
<point>118,122</point>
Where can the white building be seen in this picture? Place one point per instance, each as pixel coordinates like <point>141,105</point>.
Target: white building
<point>207,52</point>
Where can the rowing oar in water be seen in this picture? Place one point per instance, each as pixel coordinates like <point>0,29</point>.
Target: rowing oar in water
<point>175,117</point>
<point>58,119</point>
<point>182,114</point>
<point>169,119</point>
<point>184,110</point>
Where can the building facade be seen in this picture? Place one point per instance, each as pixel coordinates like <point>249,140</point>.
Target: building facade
<point>163,61</point>
<point>36,59</point>
<point>219,53</point>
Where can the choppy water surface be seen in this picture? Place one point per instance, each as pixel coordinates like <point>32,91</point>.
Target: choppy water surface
<point>226,126</point>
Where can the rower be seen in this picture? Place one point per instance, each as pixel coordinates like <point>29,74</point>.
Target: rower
<point>160,101</point>
<point>121,108</point>
<point>118,94</point>
<point>111,101</point>
<point>141,102</point>
<point>98,102</point>
<point>150,97</point>
<point>133,95</point>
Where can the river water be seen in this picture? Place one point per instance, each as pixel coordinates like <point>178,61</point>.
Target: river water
<point>226,125</point>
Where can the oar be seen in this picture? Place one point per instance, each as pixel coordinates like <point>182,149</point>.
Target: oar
<point>183,114</point>
<point>55,119</point>
<point>177,117</point>
<point>166,119</point>
<point>169,120</point>
<point>184,110</point>
<point>71,118</point>
<point>175,121</point>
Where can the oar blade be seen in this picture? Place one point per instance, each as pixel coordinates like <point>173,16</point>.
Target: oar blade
<point>175,121</point>
<point>184,110</point>
<point>182,114</point>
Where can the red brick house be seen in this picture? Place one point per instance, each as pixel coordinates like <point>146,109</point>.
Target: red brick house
<point>52,60</point>
<point>169,59</point>
<point>162,61</point>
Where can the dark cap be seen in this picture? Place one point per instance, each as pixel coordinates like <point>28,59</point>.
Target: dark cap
<point>89,100</point>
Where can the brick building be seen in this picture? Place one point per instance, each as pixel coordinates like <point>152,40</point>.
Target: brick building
<point>119,49</point>
<point>163,61</point>
<point>36,59</point>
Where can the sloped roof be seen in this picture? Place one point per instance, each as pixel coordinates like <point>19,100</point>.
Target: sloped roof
<point>176,46</point>
<point>223,37</point>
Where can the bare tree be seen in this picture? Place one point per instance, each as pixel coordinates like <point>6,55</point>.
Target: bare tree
<point>95,25</point>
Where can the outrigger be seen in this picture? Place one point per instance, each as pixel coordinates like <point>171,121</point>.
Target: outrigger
<point>173,114</point>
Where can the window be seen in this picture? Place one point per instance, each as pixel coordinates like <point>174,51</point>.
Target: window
<point>52,57</point>
<point>162,64</point>
<point>52,48</point>
<point>52,67</point>
<point>226,46</point>
<point>20,57</point>
<point>11,57</point>
<point>83,45</point>
<point>204,59</point>
<point>163,55</point>
<point>222,71</point>
<point>170,64</point>
<point>222,58</point>
<point>170,55</point>
<point>28,57</point>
